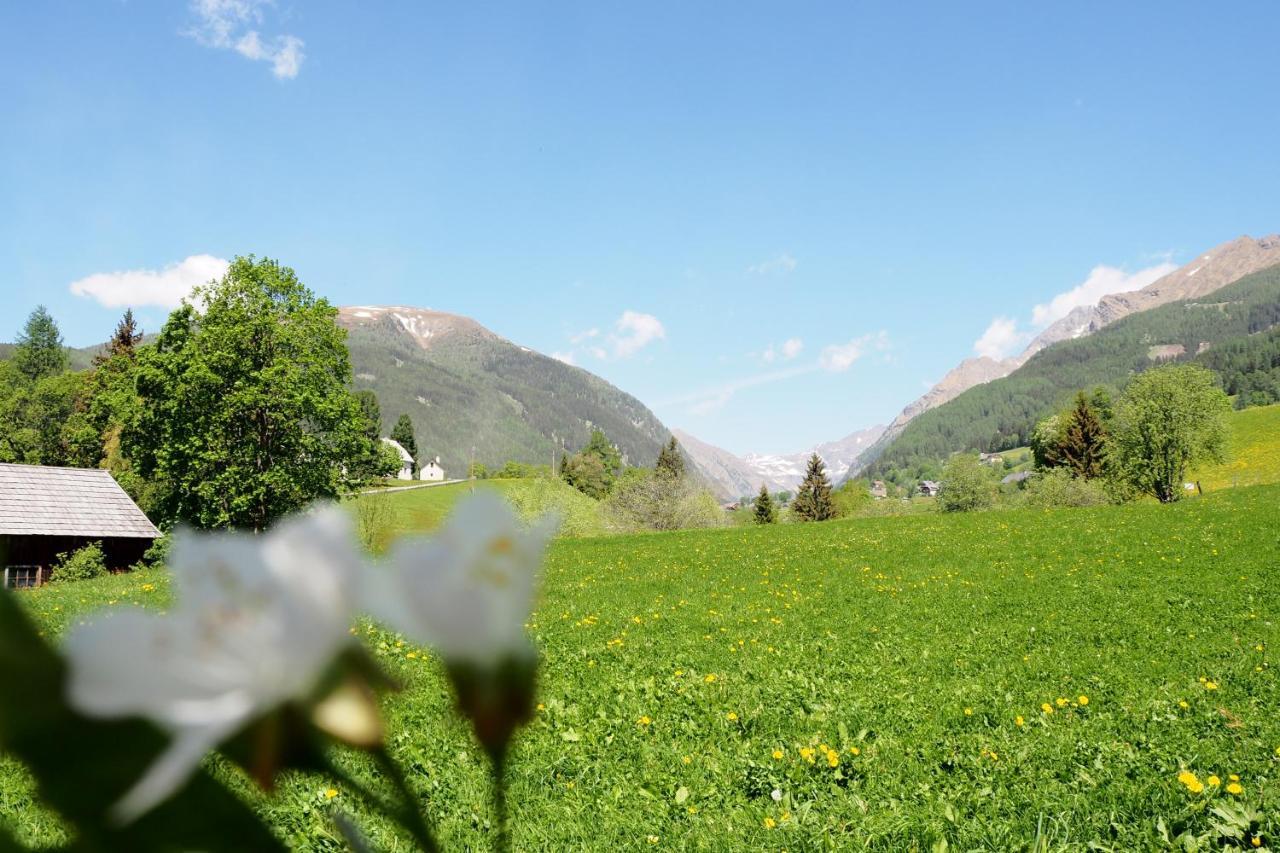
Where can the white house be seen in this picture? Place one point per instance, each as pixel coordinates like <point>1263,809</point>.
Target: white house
<point>432,470</point>
<point>406,461</point>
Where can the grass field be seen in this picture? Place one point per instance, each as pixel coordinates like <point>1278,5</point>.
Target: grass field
<point>996,680</point>
<point>1253,455</point>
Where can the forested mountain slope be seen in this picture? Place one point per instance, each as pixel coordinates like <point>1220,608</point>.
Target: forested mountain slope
<point>465,387</point>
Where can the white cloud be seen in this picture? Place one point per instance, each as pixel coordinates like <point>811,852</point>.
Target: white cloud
<point>583,336</point>
<point>230,25</point>
<point>789,350</point>
<point>634,331</point>
<point>709,400</point>
<point>1102,281</point>
<point>164,288</point>
<point>1001,339</point>
<point>566,357</point>
<point>1004,337</point>
<point>780,265</point>
<point>838,358</point>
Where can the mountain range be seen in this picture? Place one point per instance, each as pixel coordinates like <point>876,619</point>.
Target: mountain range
<point>735,476</point>
<point>474,395</point>
<point>1209,272</point>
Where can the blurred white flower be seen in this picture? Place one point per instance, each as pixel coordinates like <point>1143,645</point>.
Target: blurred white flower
<point>257,621</point>
<point>468,590</point>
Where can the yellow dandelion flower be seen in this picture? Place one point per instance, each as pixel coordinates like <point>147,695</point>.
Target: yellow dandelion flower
<point>770,823</point>
<point>731,716</point>
<point>807,753</point>
<point>1211,685</point>
<point>1046,707</point>
<point>1082,699</point>
<point>853,750</point>
<point>1017,721</point>
<point>653,839</point>
<point>777,754</point>
<point>711,678</point>
<point>968,712</point>
<point>1061,702</point>
<point>1213,781</point>
<point>331,793</point>
<point>686,760</point>
<point>833,758</point>
<point>1182,703</point>
<point>1193,784</point>
<point>644,721</point>
<point>1234,788</point>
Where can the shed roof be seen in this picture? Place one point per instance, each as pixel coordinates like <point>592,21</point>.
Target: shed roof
<point>37,500</point>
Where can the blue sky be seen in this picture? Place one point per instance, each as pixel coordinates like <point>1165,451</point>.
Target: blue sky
<point>698,184</point>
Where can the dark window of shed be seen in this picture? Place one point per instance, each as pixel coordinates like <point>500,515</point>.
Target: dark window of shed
<point>22,577</point>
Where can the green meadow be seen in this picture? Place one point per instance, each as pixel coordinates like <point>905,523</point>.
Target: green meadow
<point>1000,681</point>
<point>1253,451</point>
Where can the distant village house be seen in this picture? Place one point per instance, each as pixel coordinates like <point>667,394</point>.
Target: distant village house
<point>46,511</point>
<point>992,459</point>
<point>930,488</point>
<point>432,471</point>
<point>879,490</point>
<point>406,460</point>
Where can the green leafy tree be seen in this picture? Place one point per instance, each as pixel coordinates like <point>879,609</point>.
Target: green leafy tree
<point>1083,441</point>
<point>670,461</point>
<point>244,411</point>
<point>607,452</point>
<point>595,468</point>
<point>372,414</point>
<point>813,499</point>
<point>403,433</point>
<point>764,511</point>
<point>39,351</point>
<point>586,473</point>
<point>967,484</point>
<point>1169,419</point>
<point>478,471</point>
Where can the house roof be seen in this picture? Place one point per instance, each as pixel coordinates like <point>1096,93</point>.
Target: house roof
<point>399,448</point>
<point>37,500</point>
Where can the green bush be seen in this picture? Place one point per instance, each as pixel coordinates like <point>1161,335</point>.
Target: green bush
<point>536,496</point>
<point>80,565</point>
<point>1057,488</point>
<point>967,485</point>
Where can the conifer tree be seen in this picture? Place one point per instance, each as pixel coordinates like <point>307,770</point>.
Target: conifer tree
<point>765,511</point>
<point>402,433</point>
<point>124,341</point>
<point>813,500</point>
<point>670,462</point>
<point>1082,446</point>
<point>39,352</point>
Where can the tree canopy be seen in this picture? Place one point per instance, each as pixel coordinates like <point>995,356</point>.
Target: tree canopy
<point>39,352</point>
<point>1169,419</point>
<point>244,411</point>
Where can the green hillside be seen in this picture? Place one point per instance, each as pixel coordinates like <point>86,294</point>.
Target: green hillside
<point>888,678</point>
<point>1253,452</point>
<point>1002,413</point>
<point>473,389</point>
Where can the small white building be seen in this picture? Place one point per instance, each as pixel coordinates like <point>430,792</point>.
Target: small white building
<point>406,461</point>
<point>432,470</point>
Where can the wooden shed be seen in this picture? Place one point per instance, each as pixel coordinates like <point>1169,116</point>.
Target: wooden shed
<point>47,511</point>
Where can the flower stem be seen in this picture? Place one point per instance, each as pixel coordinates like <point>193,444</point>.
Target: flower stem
<point>410,816</point>
<point>503,842</point>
